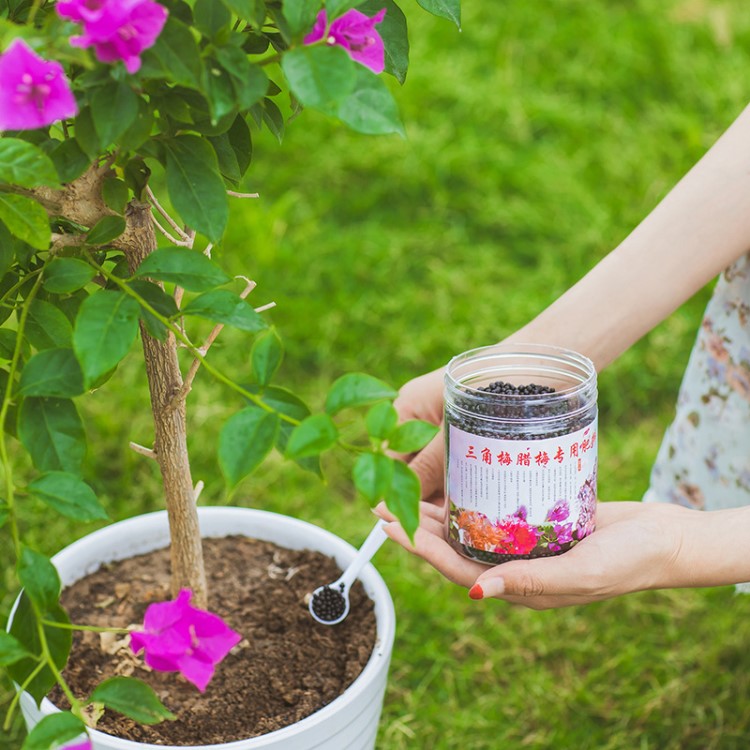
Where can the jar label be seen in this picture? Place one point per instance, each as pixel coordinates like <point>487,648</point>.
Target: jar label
<point>522,497</point>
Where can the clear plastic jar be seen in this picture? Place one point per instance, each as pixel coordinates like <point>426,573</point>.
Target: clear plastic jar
<point>521,451</point>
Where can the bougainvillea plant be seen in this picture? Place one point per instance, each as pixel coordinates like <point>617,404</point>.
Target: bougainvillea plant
<point>127,127</point>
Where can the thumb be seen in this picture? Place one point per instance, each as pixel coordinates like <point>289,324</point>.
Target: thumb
<point>429,465</point>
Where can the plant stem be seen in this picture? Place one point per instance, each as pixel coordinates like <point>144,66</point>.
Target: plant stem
<point>88,628</point>
<point>17,697</point>
<point>76,707</point>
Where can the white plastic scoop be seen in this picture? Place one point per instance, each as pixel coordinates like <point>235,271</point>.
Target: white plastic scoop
<point>329,604</point>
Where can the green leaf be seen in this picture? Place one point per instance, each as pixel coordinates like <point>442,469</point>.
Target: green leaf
<point>25,165</point>
<point>273,118</point>
<point>223,306</point>
<point>39,578</point>
<point>24,629</point>
<point>301,14</point>
<point>370,108</point>
<point>11,650</point>
<point>412,436</point>
<point>52,372</point>
<point>356,389</point>
<point>394,32</point>
<point>450,9</point>
<point>51,431</point>
<point>245,440</point>
<point>320,76</point>
<point>211,17</point>
<point>114,108</point>
<point>106,326</point>
<point>65,275</point>
<point>266,356</point>
<point>68,495</point>
<point>190,269</point>
<point>105,230</point>
<point>221,93</point>
<point>139,129</point>
<point>116,194</point>
<point>402,497</point>
<point>175,57</point>
<point>195,186</point>
<point>335,8</point>
<point>162,302</point>
<point>70,160</point>
<point>312,436</point>
<point>249,81</point>
<point>252,11</point>
<point>7,343</point>
<point>46,326</point>
<point>54,731</point>
<point>381,420</point>
<point>372,474</point>
<point>133,698</point>
<point>25,219</point>
<point>86,135</point>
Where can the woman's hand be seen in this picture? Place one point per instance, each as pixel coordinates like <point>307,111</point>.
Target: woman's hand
<point>635,546</point>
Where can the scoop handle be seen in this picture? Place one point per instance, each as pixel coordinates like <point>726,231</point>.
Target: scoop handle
<point>369,547</point>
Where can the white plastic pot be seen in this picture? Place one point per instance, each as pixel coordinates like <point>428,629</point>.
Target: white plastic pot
<point>350,722</point>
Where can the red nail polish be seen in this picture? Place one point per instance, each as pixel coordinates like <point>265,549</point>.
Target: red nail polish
<point>475,592</point>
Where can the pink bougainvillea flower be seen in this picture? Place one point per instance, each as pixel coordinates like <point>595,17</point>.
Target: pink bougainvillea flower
<point>559,511</point>
<point>33,92</point>
<point>116,29</point>
<point>85,745</point>
<point>180,638</point>
<point>355,32</point>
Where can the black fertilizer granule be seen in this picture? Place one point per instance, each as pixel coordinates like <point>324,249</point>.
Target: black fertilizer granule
<point>328,603</point>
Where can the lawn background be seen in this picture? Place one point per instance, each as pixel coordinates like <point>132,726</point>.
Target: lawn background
<point>537,138</point>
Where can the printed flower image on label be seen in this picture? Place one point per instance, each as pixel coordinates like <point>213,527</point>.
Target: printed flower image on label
<point>515,498</point>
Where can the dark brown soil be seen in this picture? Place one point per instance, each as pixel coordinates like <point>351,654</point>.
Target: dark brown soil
<point>286,667</point>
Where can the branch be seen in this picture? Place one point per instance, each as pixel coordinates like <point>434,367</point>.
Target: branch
<point>181,233</point>
<point>147,452</point>
<point>235,194</point>
<point>162,230</point>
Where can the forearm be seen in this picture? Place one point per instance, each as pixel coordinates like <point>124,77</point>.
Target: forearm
<point>699,228</point>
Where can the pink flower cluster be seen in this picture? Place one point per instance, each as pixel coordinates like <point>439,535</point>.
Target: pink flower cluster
<point>177,637</point>
<point>34,92</point>
<point>116,29</point>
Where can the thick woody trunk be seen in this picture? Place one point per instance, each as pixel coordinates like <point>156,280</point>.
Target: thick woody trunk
<point>170,437</point>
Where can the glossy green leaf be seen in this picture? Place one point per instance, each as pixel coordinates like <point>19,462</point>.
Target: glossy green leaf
<point>25,165</point>
<point>372,474</point>
<point>25,219</point>
<point>394,33</point>
<point>321,77</point>
<point>11,650</point>
<point>65,275</point>
<point>273,118</point>
<point>162,302</point>
<point>114,108</point>
<point>116,194</point>
<point>52,372</point>
<point>357,389</point>
<point>370,108</point>
<point>86,136</point>
<point>46,326</point>
<point>335,8</point>
<point>24,629</point>
<point>54,731</point>
<point>266,356</point>
<point>190,269</point>
<point>380,420</point>
<point>175,56</point>
<point>39,578</point>
<point>69,159</point>
<point>68,495</point>
<point>252,11</point>
<point>52,432</point>
<point>105,230</point>
<point>223,306</point>
<point>105,328</point>
<point>412,436</point>
<point>402,497</point>
<point>300,14</point>
<point>211,17</point>
<point>450,9</point>
<point>249,81</point>
<point>195,186</point>
<point>245,440</point>
<point>133,698</point>
<point>312,436</point>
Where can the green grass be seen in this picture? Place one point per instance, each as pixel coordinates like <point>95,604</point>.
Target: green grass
<point>538,137</point>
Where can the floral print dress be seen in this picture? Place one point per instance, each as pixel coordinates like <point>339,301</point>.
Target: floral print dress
<point>704,459</point>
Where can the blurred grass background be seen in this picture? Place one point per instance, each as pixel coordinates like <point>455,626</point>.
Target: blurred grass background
<point>538,137</point>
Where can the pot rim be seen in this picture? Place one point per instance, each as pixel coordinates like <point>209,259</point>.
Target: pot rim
<point>333,545</point>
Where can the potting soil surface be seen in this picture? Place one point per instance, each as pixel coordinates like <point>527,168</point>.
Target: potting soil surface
<point>286,667</point>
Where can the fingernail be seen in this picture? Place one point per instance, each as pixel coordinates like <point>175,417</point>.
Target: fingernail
<point>475,592</point>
